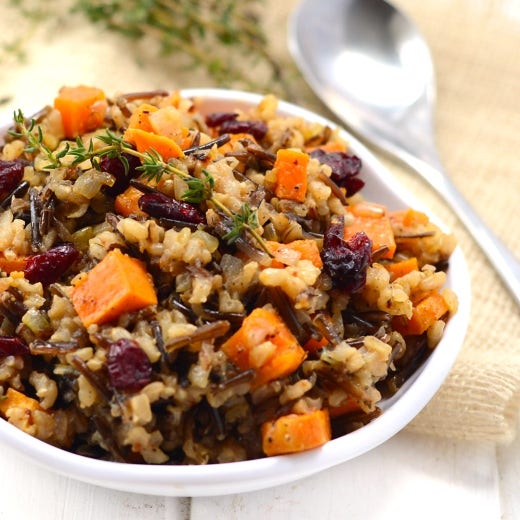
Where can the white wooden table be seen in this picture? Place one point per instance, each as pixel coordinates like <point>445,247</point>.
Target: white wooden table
<point>409,477</point>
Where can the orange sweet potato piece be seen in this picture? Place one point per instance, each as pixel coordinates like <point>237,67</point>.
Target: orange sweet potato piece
<point>8,265</point>
<point>408,218</point>
<point>233,139</point>
<point>291,174</point>
<point>294,433</point>
<point>367,209</point>
<point>82,109</point>
<point>118,284</point>
<point>127,202</point>
<point>289,254</point>
<point>140,117</point>
<point>313,345</point>
<point>332,146</point>
<point>173,99</point>
<point>252,347</point>
<point>167,121</point>
<point>424,314</point>
<point>350,405</point>
<point>15,399</point>
<point>146,141</point>
<point>376,224</point>
<point>398,269</point>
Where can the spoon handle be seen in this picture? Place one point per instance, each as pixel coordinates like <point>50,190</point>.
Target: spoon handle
<point>505,263</point>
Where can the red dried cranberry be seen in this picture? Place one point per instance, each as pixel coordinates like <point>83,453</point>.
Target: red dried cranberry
<point>257,129</point>
<point>128,365</point>
<point>229,124</point>
<point>12,346</point>
<point>121,171</point>
<point>49,266</point>
<point>344,169</point>
<point>346,261</point>
<point>217,118</point>
<point>159,205</point>
<point>353,185</point>
<point>11,174</point>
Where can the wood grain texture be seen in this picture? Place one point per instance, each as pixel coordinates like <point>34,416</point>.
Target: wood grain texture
<point>508,463</point>
<point>28,492</point>
<point>410,476</point>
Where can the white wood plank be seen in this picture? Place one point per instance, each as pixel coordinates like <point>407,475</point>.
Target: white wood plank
<point>409,477</point>
<point>508,460</point>
<point>27,491</point>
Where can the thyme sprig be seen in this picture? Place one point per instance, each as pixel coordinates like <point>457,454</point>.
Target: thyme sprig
<point>33,136</point>
<point>199,189</point>
<point>153,167</point>
<point>224,38</point>
<point>245,219</point>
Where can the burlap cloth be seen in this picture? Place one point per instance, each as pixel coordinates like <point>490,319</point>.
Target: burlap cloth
<point>475,48</point>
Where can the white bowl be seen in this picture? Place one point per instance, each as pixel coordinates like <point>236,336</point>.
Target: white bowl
<point>238,477</point>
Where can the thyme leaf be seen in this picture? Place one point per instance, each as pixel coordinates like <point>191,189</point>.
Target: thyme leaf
<point>225,38</point>
<point>246,219</point>
<point>111,139</point>
<point>33,136</point>
<point>199,189</point>
<point>79,152</point>
<point>152,167</point>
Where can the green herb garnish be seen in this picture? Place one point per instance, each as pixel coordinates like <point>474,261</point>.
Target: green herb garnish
<point>199,189</point>
<point>153,167</point>
<point>224,38</point>
<point>33,136</point>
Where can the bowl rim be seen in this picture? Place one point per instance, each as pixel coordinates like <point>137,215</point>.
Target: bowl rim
<point>237,477</point>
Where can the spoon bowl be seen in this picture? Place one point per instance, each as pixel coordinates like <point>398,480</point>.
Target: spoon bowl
<point>367,52</point>
<point>370,65</point>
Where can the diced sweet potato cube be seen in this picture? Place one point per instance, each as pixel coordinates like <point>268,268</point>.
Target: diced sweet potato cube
<point>118,284</point>
<point>264,343</point>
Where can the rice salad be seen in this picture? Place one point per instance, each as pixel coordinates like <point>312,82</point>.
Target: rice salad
<point>180,287</point>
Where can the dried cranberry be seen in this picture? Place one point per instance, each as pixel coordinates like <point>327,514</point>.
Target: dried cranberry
<point>49,266</point>
<point>159,205</point>
<point>257,129</point>
<point>353,185</point>
<point>346,261</point>
<point>344,169</point>
<point>128,365</point>
<point>122,172</point>
<point>228,123</point>
<point>217,118</point>
<point>12,346</point>
<point>11,174</point>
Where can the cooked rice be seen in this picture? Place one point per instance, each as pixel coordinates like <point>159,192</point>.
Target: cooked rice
<point>199,407</point>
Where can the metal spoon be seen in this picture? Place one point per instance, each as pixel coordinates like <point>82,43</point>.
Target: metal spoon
<point>369,64</point>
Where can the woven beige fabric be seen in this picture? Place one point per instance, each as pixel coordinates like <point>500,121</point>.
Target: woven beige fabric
<point>478,121</point>
<point>475,45</point>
